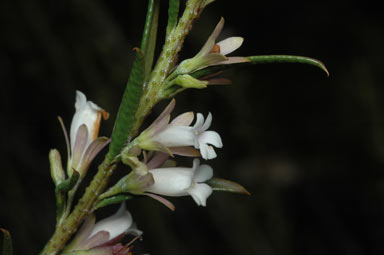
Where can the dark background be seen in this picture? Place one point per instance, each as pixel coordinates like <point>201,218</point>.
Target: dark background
<point>309,148</point>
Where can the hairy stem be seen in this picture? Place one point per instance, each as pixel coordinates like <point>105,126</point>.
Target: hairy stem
<point>167,59</point>
<point>68,227</point>
<point>150,97</point>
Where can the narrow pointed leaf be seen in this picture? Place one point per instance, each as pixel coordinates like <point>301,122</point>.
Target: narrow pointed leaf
<point>128,107</point>
<point>226,185</point>
<point>7,243</point>
<point>261,60</point>
<point>173,12</point>
<point>288,59</point>
<point>148,41</point>
<point>113,200</point>
<point>69,183</point>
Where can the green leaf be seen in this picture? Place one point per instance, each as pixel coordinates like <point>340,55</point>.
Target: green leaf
<point>287,59</point>
<point>262,60</point>
<point>226,185</point>
<point>148,41</point>
<point>113,200</point>
<point>69,183</point>
<point>128,107</point>
<point>173,13</point>
<point>7,243</point>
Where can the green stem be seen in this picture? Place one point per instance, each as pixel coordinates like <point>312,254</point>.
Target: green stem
<point>149,98</point>
<point>167,59</point>
<point>69,226</point>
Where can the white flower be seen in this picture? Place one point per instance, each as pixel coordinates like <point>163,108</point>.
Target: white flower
<point>183,181</point>
<point>178,135</point>
<point>104,236</point>
<point>83,143</point>
<point>213,53</point>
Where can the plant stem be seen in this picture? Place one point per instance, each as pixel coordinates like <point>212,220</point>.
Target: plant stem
<point>167,59</point>
<point>150,98</point>
<point>69,226</point>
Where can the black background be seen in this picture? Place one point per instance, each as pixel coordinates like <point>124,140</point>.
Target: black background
<point>309,148</point>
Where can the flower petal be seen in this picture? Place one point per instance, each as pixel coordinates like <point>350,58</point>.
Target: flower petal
<point>230,44</point>
<point>185,151</point>
<point>212,38</point>
<point>211,137</point>
<point>162,200</point>
<point>79,145</point>
<point>184,119</point>
<point>203,173</point>
<point>93,149</point>
<point>116,224</point>
<point>207,151</point>
<point>233,60</point>
<point>173,181</point>
<point>207,122</point>
<point>95,240</point>
<point>157,160</point>
<point>200,192</point>
<point>199,121</point>
<point>82,234</point>
<point>159,122</point>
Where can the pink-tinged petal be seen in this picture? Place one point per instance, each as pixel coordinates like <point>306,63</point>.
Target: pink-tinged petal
<point>95,240</point>
<point>100,251</point>
<point>207,122</point>
<point>185,151</point>
<point>219,81</point>
<point>200,192</point>
<point>113,241</point>
<point>93,149</point>
<point>184,119</point>
<point>203,173</point>
<point>211,137</point>
<point>82,234</point>
<point>233,60</point>
<point>79,145</point>
<point>230,44</point>
<point>212,38</point>
<point>157,160</point>
<point>162,200</point>
<point>167,111</point>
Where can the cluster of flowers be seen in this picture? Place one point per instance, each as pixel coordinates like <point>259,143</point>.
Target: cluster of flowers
<point>153,175</point>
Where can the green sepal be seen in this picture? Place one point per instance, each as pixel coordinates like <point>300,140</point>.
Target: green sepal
<point>226,185</point>
<point>148,41</point>
<point>57,171</point>
<point>69,183</point>
<point>173,13</point>
<point>132,183</point>
<point>287,59</point>
<point>128,107</point>
<point>113,200</point>
<point>7,242</point>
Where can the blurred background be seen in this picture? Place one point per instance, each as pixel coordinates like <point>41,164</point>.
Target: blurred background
<point>309,148</point>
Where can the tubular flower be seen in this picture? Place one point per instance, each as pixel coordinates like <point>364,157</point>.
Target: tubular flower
<point>213,53</point>
<point>83,143</point>
<point>103,238</point>
<point>183,181</point>
<point>178,136</point>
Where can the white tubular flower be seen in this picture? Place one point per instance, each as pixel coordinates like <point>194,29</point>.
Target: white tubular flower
<point>104,236</point>
<point>83,143</point>
<point>183,181</point>
<point>213,53</point>
<point>178,136</point>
